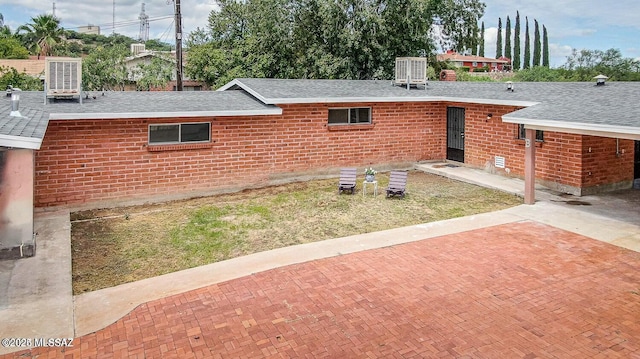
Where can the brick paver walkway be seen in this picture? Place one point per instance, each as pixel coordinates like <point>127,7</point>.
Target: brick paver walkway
<point>522,290</point>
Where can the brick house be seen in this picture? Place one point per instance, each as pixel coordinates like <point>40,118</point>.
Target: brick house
<point>134,146</point>
<point>475,62</point>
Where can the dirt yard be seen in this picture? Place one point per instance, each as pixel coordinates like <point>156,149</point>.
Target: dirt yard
<point>120,245</point>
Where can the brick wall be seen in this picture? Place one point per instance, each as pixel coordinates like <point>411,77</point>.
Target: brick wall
<point>97,160</point>
<point>562,160</point>
<point>109,160</point>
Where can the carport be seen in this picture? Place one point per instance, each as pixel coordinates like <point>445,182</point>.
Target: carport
<point>610,112</point>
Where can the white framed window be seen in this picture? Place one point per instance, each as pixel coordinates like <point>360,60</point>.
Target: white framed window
<point>174,133</point>
<point>346,116</point>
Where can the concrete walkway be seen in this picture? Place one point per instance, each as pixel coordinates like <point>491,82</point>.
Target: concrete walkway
<point>48,300</point>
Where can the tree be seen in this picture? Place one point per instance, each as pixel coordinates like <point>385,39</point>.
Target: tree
<point>499,40</point>
<point>545,47</point>
<point>42,34</point>
<point>507,40</point>
<point>10,76</point>
<point>583,65</point>
<point>516,43</point>
<point>5,31</point>
<point>357,39</point>
<point>155,74</point>
<point>481,49</point>
<point>526,63</point>
<point>104,69</point>
<point>10,48</point>
<point>536,44</point>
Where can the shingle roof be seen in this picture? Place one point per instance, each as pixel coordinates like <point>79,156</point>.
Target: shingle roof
<point>131,104</point>
<point>26,131</point>
<point>554,104</point>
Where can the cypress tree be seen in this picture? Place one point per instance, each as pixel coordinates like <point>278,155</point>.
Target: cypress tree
<point>526,62</point>
<point>545,47</point>
<point>481,50</point>
<point>499,41</point>
<point>536,44</point>
<point>507,40</point>
<point>516,43</point>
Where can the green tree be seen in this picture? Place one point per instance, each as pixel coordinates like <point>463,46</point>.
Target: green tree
<point>11,48</point>
<point>104,68</point>
<point>157,45</point>
<point>481,49</point>
<point>516,43</point>
<point>545,47</point>
<point>10,76</point>
<point>5,31</point>
<point>356,39</point>
<point>155,74</point>
<point>42,34</point>
<point>499,40</point>
<point>536,44</point>
<point>526,62</point>
<point>507,39</point>
<point>539,74</point>
<point>583,65</point>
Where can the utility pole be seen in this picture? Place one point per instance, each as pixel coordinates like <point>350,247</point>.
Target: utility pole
<point>178,47</point>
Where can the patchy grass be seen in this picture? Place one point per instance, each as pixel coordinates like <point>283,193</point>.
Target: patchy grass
<point>120,245</point>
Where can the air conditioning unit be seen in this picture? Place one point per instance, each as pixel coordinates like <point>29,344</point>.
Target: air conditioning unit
<point>63,77</point>
<point>137,48</point>
<point>411,71</point>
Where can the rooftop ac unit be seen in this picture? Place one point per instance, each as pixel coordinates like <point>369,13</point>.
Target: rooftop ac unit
<point>411,71</point>
<point>63,77</point>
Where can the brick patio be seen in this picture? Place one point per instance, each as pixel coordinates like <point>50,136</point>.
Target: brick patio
<point>522,290</point>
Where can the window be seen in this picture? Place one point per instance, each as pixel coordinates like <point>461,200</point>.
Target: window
<point>522,135</point>
<point>179,133</point>
<point>349,115</point>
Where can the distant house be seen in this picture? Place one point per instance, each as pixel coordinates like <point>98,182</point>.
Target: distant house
<point>146,146</point>
<point>141,56</point>
<point>475,62</point>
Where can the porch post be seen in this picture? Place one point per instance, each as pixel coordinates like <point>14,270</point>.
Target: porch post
<point>530,167</point>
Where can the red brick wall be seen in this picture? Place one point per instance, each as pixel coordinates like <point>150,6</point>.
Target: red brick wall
<point>95,160</point>
<point>602,165</point>
<point>562,159</point>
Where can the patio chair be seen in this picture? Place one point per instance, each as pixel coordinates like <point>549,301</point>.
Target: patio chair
<point>397,184</point>
<point>347,180</point>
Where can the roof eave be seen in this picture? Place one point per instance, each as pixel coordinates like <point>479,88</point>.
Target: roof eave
<point>30,143</point>
<point>622,132</point>
<point>96,116</point>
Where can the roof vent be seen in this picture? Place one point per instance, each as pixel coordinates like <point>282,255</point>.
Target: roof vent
<point>509,86</point>
<point>15,102</point>
<point>600,79</point>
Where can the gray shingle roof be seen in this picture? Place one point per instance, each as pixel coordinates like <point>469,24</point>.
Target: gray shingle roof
<point>25,131</point>
<point>550,104</point>
<point>133,104</point>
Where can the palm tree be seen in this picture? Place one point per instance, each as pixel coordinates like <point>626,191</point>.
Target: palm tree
<point>5,32</point>
<point>41,34</point>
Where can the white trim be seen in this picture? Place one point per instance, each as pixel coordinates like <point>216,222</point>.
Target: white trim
<point>96,116</point>
<point>591,129</point>
<point>289,100</point>
<point>30,143</point>
<point>246,88</point>
<point>286,100</point>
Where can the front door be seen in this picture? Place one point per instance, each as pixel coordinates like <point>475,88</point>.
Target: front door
<point>636,167</point>
<point>455,134</point>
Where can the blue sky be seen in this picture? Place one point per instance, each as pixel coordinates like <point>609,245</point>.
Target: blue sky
<point>580,24</point>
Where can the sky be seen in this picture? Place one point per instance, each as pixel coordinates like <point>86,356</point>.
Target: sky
<point>571,24</point>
